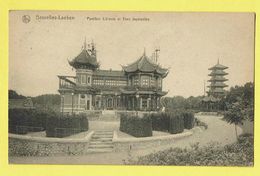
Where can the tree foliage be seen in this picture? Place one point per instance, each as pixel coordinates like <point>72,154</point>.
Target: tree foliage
<point>12,94</point>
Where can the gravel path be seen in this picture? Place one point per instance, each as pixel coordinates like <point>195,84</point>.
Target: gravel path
<point>218,131</point>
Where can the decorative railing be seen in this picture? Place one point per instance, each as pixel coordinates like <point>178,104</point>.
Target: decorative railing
<point>143,88</point>
<point>67,82</point>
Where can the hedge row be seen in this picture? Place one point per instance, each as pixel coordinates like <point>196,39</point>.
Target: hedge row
<point>22,121</point>
<point>172,122</point>
<point>58,126</point>
<point>136,126</point>
<point>176,123</point>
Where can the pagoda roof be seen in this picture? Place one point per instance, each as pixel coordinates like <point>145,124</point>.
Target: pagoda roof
<point>217,78</point>
<point>218,67</point>
<point>218,84</point>
<point>84,59</point>
<point>145,64</point>
<point>217,72</point>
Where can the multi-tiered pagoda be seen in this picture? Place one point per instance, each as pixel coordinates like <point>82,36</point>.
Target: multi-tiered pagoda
<point>217,81</point>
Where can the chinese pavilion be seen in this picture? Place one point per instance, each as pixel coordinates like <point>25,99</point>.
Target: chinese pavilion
<point>137,87</point>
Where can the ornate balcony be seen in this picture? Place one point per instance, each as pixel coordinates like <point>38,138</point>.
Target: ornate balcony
<point>66,82</point>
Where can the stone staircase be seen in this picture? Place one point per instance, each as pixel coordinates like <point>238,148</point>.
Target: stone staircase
<point>101,141</point>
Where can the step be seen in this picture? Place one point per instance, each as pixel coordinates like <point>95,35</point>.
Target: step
<point>99,150</point>
<point>100,146</point>
<point>101,142</point>
<point>105,137</point>
<point>105,131</point>
<point>95,134</point>
<point>102,133</point>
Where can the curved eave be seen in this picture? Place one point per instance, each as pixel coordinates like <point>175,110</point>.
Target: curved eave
<point>216,74</point>
<point>217,80</point>
<point>76,64</point>
<point>156,71</point>
<point>216,86</point>
<point>218,68</point>
<point>162,93</point>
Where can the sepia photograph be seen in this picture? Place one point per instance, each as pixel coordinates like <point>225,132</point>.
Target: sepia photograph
<point>131,88</point>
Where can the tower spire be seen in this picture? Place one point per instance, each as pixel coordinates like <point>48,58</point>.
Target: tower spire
<point>85,44</point>
<point>144,51</point>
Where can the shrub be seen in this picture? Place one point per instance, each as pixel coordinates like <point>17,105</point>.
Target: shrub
<point>173,122</point>
<point>176,123</point>
<point>136,126</point>
<point>188,118</point>
<point>240,153</point>
<point>58,126</point>
<point>197,122</point>
<point>18,121</point>
<point>160,121</point>
<point>22,121</point>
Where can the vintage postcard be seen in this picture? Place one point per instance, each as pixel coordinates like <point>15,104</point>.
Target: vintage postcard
<point>131,88</point>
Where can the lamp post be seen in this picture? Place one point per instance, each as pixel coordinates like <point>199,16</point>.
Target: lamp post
<point>72,97</point>
<point>137,99</point>
<point>62,105</point>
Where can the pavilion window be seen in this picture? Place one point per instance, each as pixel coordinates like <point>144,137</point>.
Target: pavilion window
<point>152,82</point>
<point>89,80</point>
<point>135,80</point>
<point>144,103</point>
<point>145,81</point>
<point>159,82</point>
<point>83,79</point>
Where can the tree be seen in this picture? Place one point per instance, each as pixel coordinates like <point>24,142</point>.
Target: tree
<point>235,115</point>
<point>12,94</point>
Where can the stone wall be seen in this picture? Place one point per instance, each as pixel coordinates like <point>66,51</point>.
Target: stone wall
<point>20,145</point>
<point>126,144</point>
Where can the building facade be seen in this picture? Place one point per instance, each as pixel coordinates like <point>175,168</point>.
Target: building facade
<point>137,87</point>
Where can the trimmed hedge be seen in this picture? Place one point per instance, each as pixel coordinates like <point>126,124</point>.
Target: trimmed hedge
<point>160,121</point>
<point>189,120</point>
<point>136,126</point>
<point>176,123</point>
<point>172,122</point>
<point>22,121</point>
<point>58,126</point>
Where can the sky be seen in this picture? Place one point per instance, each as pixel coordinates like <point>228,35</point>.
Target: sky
<point>189,44</point>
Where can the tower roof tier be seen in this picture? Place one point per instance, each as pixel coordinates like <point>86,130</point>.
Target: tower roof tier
<point>218,79</point>
<point>145,64</point>
<point>218,67</point>
<point>217,72</point>
<point>217,90</point>
<point>86,58</point>
<point>217,84</point>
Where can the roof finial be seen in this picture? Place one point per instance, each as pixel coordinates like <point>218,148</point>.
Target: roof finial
<point>218,60</point>
<point>85,44</point>
<point>144,51</point>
